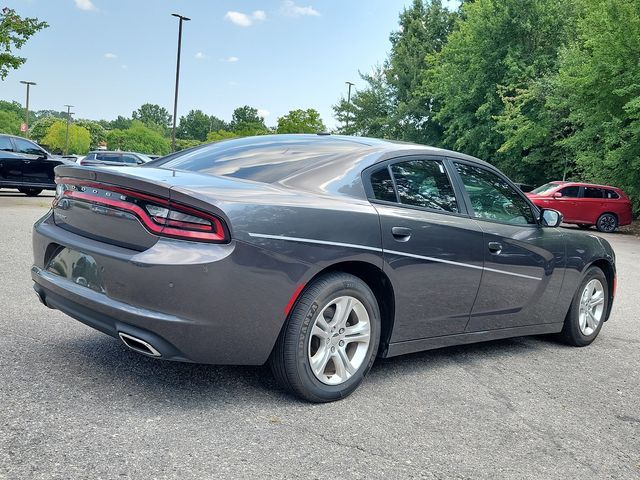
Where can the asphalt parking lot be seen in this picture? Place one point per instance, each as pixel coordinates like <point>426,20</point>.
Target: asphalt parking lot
<point>75,403</point>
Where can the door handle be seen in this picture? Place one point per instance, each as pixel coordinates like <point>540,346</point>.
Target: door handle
<point>495,247</point>
<point>402,234</point>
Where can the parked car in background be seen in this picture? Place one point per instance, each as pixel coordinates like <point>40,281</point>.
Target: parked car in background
<point>105,157</point>
<point>27,166</point>
<point>316,253</point>
<point>524,187</point>
<point>585,204</point>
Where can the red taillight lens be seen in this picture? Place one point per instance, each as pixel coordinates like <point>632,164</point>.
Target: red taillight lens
<point>160,216</point>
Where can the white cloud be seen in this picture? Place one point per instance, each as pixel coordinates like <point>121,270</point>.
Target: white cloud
<point>290,9</point>
<point>200,56</point>
<point>232,59</point>
<point>263,113</point>
<point>110,56</point>
<point>244,20</point>
<point>86,5</point>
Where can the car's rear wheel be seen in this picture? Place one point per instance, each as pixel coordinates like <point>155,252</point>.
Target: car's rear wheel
<point>584,226</point>
<point>330,340</point>
<point>30,192</point>
<point>607,223</point>
<point>588,309</point>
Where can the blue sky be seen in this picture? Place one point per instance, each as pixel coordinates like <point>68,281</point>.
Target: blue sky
<point>107,57</point>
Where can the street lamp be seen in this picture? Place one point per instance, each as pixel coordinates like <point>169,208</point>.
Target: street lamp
<point>26,110</point>
<point>66,142</point>
<point>175,100</point>
<point>349,102</point>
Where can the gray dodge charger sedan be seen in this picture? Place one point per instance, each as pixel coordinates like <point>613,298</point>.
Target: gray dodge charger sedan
<point>316,253</point>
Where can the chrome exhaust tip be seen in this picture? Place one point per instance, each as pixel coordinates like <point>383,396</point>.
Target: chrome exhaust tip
<point>138,345</point>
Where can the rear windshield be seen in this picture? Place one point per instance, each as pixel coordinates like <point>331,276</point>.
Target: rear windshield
<point>546,188</point>
<point>267,159</point>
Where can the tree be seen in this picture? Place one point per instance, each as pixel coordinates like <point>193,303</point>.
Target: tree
<point>138,138</point>
<point>55,138</point>
<point>194,126</point>
<point>40,128</point>
<point>245,122</point>
<point>182,144</point>
<point>485,78</point>
<point>97,131</point>
<point>120,123</point>
<point>14,32</point>
<point>9,123</point>
<point>301,121</point>
<point>220,135</point>
<point>151,114</point>
<point>598,88</point>
<point>13,107</point>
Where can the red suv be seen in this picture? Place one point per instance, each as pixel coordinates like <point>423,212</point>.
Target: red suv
<point>585,204</point>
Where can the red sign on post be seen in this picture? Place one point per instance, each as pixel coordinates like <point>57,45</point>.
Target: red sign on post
<point>23,127</point>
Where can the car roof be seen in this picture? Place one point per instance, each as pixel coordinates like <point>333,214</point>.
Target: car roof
<point>114,151</point>
<point>583,184</point>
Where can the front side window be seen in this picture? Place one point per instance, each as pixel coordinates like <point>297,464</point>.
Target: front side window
<point>591,192</point>
<point>424,183</point>
<point>570,192</point>
<point>492,198</point>
<point>130,159</point>
<point>25,146</point>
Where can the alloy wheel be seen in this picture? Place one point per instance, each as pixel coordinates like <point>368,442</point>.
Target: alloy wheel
<point>339,340</point>
<point>591,307</point>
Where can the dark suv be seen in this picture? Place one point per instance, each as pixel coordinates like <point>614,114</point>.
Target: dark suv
<point>27,166</point>
<point>122,159</point>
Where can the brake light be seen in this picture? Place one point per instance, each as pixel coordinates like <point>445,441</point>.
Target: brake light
<point>158,215</point>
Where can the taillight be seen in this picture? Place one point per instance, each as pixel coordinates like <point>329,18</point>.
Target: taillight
<point>159,216</point>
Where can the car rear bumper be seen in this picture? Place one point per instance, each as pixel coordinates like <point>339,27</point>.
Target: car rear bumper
<point>204,303</point>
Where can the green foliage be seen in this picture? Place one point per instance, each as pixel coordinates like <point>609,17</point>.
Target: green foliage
<point>55,138</point>
<point>120,123</point>
<point>196,125</point>
<point>138,138</point>
<point>14,32</point>
<point>40,128</point>
<point>245,122</point>
<point>182,144</point>
<point>220,135</point>
<point>13,107</point>
<point>153,116</point>
<point>97,131</point>
<point>9,123</point>
<point>301,121</point>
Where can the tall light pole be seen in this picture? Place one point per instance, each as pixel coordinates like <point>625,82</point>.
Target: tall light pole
<point>349,102</point>
<point>66,141</point>
<point>175,100</point>
<point>26,109</point>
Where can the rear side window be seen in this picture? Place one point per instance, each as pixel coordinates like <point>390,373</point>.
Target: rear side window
<point>591,192</point>
<point>610,194</point>
<point>24,146</point>
<point>5,144</point>
<point>383,186</point>
<point>109,157</point>
<point>570,192</point>
<point>424,183</point>
<point>130,159</point>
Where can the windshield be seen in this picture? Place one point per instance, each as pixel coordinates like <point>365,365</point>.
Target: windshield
<point>546,188</point>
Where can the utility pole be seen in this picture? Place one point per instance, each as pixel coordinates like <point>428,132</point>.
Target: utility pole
<point>175,100</point>
<point>66,142</point>
<point>349,102</point>
<point>26,109</point>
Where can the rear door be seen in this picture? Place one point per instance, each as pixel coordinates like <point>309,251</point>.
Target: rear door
<point>593,203</point>
<point>432,249</point>
<point>523,262</point>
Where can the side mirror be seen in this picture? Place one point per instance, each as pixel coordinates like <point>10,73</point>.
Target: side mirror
<point>557,195</point>
<point>550,218</point>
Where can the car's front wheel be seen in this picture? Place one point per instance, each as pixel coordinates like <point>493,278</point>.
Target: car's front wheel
<point>30,192</point>
<point>607,223</point>
<point>588,309</point>
<point>330,340</point>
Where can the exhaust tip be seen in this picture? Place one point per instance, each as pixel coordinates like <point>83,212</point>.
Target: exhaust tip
<point>138,345</point>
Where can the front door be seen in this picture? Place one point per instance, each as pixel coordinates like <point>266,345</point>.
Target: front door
<point>432,249</point>
<point>37,168</point>
<point>523,262</point>
<point>10,163</point>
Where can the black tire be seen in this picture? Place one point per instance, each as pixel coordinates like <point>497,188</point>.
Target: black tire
<point>584,226</point>
<point>289,359</point>
<point>607,223</point>
<point>30,192</point>
<point>571,332</point>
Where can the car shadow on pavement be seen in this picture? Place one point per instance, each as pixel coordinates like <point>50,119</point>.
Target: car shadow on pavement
<point>195,385</point>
